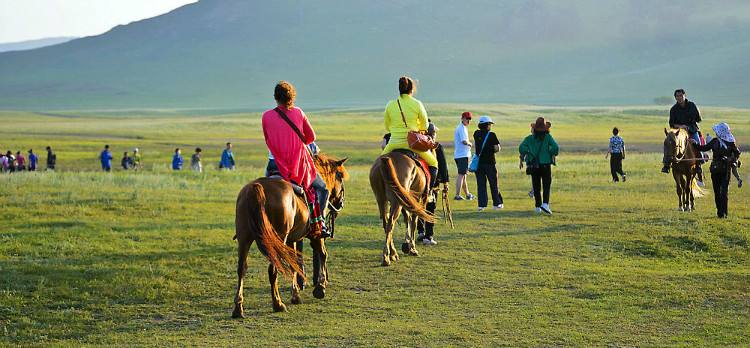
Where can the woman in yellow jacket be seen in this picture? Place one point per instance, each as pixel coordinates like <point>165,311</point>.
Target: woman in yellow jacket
<point>415,117</point>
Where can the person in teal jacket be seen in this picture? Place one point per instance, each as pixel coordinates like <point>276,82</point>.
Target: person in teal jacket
<point>538,151</point>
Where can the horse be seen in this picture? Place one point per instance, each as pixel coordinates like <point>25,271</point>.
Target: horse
<point>270,213</point>
<point>684,160</point>
<point>399,186</point>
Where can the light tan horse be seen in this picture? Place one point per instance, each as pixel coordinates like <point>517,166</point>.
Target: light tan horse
<point>684,159</point>
<point>399,186</point>
<point>272,215</point>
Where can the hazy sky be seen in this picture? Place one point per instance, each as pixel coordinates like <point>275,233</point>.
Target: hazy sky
<point>22,20</point>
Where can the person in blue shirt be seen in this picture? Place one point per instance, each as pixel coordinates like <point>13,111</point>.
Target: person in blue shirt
<point>227,158</point>
<point>106,158</point>
<point>177,160</point>
<point>33,160</point>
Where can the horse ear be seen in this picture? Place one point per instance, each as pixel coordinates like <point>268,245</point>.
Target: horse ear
<point>341,162</point>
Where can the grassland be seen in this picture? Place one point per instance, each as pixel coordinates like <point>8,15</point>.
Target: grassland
<point>89,258</point>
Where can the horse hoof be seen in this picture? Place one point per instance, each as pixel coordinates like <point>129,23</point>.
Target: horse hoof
<point>238,313</point>
<point>296,300</point>
<point>394,257</point>
<point>413,252</point>
<point>279,308</point>
<point>386,262</point>
<point>319,292</point>
<point>405,247</point>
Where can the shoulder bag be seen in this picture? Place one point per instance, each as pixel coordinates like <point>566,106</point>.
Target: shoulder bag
<point>475,160</point>
<point>417,141</point>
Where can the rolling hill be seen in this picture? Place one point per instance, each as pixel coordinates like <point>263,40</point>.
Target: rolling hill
<point>229,53</point>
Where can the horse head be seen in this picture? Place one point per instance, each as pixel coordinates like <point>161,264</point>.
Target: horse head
<point>673,149</point>
<point>334,174</point>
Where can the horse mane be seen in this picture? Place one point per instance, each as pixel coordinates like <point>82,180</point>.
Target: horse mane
<point>328,166</point>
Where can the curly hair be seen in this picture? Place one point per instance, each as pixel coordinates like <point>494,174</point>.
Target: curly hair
<point>284,93</point>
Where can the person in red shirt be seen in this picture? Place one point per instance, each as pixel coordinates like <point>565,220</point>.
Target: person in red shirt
<point>287,132</point>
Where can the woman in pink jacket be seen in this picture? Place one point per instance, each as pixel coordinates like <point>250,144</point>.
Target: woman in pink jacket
<point>288,132</point>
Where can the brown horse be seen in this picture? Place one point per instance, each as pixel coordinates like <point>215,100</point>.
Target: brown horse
<point>390,176</point>
<point>270,213</point>
<point>684,159</point>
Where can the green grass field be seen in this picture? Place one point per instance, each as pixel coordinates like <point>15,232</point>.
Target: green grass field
<point>147,258</point>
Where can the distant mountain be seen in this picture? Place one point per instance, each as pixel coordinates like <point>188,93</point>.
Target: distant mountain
<point>32,44</point>
<point>229,53</point>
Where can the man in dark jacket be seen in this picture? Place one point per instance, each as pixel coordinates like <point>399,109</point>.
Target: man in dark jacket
<point>51,159</point>
<point>684,114</point>
<point>426,229</point>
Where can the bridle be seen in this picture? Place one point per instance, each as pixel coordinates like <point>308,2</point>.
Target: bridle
<point>333,210</point>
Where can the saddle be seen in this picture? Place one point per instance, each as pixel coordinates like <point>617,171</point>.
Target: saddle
<point>298,190</point>
<point>419,161</point>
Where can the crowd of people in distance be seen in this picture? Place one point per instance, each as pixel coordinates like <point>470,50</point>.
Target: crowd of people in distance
<point>135,161</point>
<point>17,162</point>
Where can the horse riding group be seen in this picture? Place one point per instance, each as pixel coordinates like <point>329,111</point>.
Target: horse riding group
<point>303,190</point>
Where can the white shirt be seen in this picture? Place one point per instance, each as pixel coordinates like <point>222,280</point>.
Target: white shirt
<point>461,150</point>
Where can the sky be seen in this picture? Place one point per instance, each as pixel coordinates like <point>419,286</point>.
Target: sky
<point>22,20</point>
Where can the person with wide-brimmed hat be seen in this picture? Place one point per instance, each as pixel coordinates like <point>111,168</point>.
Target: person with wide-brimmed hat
<point>538,151</point>
<point>725,153</point>
<point>487,145</point>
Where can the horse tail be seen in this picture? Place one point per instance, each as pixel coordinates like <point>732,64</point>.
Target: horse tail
<point>404,197</point>
<point>697,190</point>
<point>282,257</point>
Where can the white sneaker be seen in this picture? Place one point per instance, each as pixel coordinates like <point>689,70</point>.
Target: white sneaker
<point>481,209</point>
<point>470,197</point>
<point>545,208</point>
<point>429,241</point>
<point>498,207</point>
<point>538,210</point>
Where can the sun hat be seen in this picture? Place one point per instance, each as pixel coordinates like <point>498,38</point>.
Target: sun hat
<point>723,132</point>
<point>485,119</point>
<point>541,125</point>
<point>467,115</point>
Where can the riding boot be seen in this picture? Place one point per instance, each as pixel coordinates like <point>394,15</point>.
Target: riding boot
<point>433,176</point>
<point>665,168</point>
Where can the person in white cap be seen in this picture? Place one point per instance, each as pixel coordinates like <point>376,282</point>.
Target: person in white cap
<point>725,152</point>
<point>487,144</point>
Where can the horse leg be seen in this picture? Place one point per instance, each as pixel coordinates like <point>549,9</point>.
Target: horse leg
<point>320,272</point>
<point>413,228</point>
<point>273,275</point>
<point>406,246</point>
<point>295,283</point>
<point>391,224</point>
<point>692,196</point>
<point>243,245</point>
<point>678,188</point>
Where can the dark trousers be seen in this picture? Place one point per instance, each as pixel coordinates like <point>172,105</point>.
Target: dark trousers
<point>720,181</point>
<point>541,178</point>
<point>615,166</point>
<point>487,172</point>
<point>427,227</point>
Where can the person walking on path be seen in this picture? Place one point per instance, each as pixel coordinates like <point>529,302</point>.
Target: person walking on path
<point>11,161</point>
<point>177,159</point>
<point>4,162</point>
<point>461,155</point>
<point>195,161</point>
<point>616,153</point>
<point>51,159</point>
<point>126,161</point>
<point>405,114</point>
<point>724,149</point>
<point>487,145</point>
<point>106,159</point>
<point>227,158</point>
<point>427,229</point>
<point>539,150</point>
<point>33,160</point>
<point>136,159</point>
<point>20,162</point>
